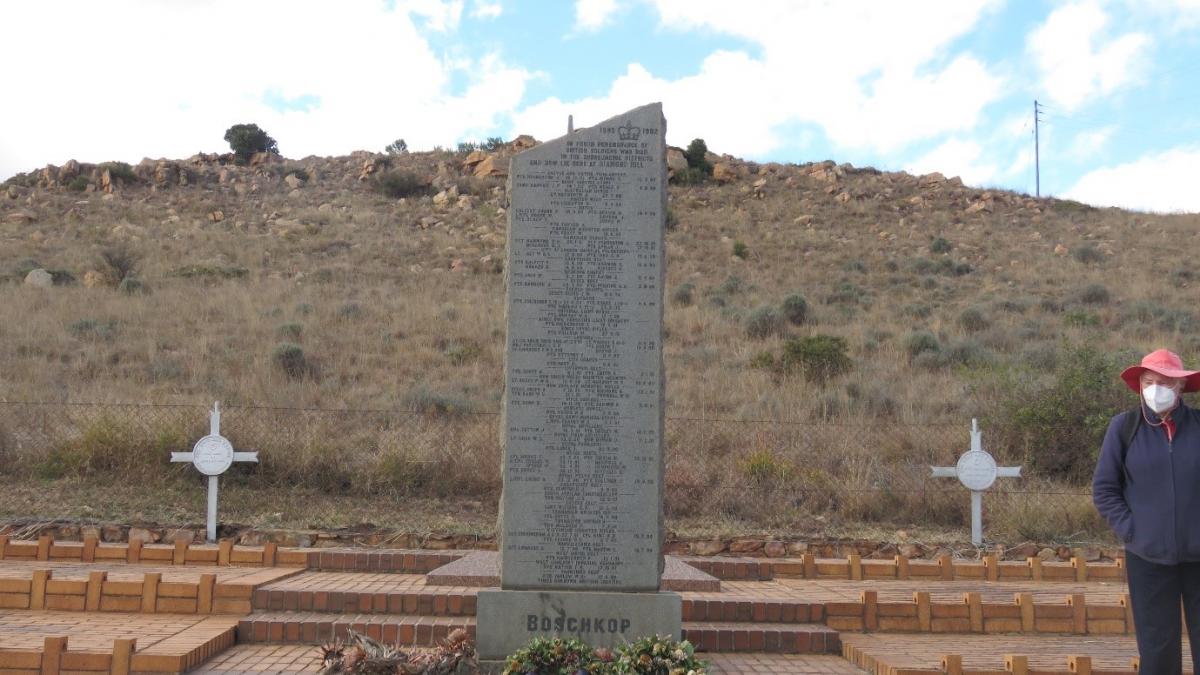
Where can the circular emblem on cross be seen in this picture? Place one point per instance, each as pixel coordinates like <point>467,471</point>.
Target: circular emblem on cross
<point>976,470</point>
<point>212,455</point>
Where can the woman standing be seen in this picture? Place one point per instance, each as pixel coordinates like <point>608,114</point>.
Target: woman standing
<point>1147,486</point>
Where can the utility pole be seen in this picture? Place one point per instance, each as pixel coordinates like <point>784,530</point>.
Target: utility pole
<point>1037,162</point>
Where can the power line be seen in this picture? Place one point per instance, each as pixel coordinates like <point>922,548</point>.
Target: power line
<point>1037,160</point>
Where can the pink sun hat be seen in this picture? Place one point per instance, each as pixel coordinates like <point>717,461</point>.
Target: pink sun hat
<point>1163,362</point>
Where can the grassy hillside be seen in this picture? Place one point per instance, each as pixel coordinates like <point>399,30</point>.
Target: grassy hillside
<point>301,283</point>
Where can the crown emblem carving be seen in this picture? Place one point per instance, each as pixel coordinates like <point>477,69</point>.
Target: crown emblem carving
<point>629,132</point>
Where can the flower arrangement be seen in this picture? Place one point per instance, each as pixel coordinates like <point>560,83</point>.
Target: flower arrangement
<point>658,655</point>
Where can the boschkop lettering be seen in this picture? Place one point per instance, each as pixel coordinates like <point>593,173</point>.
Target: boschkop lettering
<point>575,625</point>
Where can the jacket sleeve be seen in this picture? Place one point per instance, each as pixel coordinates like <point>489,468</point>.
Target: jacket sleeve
<point>1108,483</point>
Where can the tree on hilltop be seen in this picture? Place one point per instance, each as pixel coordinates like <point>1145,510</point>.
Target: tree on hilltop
<point>247,139</point>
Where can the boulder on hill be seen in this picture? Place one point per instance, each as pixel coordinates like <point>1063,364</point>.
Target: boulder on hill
<point>39,278</point>
<point>676,161</point>
<point>522,143</point>
<point>473,159</point>
<point>489,167</point>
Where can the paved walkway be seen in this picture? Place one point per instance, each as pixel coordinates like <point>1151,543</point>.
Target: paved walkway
<point>794,590</point>
<point>980,652</point>
<point>120,571</point>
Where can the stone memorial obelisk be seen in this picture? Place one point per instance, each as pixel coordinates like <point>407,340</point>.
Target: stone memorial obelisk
<point>581,527</point>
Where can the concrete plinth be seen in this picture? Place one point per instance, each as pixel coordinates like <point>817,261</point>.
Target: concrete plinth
<point>508,620</point>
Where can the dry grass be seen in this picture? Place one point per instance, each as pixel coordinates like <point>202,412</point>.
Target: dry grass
<point>362,285</point>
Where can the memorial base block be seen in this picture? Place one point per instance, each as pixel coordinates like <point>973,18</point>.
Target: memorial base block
<point>505,621</point>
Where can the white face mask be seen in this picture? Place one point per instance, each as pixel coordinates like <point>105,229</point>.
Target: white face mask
<point>1159,398</point>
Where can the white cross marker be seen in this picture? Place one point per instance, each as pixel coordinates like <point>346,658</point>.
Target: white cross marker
<point>976,470</point>
<point>212,456</point>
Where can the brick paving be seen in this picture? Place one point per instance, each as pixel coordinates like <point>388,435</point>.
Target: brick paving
<point>834,590</point>
<point>94,631</point>
<point>796,590</point>
<point>121,571</point>
<point>987,652</point>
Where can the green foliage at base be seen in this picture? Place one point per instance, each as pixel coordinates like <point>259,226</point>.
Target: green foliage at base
<point>656,655</point>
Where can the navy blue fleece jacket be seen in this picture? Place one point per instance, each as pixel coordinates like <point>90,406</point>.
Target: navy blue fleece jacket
<point>1152,499</point>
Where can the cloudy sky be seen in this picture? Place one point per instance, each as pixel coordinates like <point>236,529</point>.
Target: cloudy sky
<point>926,85</point>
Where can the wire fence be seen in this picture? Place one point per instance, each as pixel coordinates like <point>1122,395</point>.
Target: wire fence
<point>766,472</point>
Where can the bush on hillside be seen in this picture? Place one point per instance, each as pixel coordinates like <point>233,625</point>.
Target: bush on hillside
<point>290,359</point>
<point>697,156</point>
<point>398,184</point>
<point>764,322</point>
<point>1055,426</point>
<point>819,358</point>
<point>396,147</point>
<point>795,309</point>
<point>247,139</point>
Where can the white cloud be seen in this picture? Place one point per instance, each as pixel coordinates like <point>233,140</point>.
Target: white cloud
<point>955,157</point>
<point>1088,144</point>
<point>1160,182</point>
<point>372,70</point>
<point>486,9</point>
<point>594,14</point>
<point>872,75</point>
<point>1075,63</point>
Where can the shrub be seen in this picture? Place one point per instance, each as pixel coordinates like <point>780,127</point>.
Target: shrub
<point>289,331</point>
<point>819,357</point>
<point>398,184</point>
<point>672,220</point>
<point>972,320</point>
<point>350,311</point>
<point>290,359</point>
<point>1094,294</point>
<point>120,259</point>
<point>436,404</point>
<point>462,353</point>
<point>247,139</point>
<point>209,272</point>
<point>1087,254</point>
<point>133,286</point>
<point>1056,428</point>
<point>732,284</point>
<point>92,329</point>
<point>921,341</point>
<point>1081,319</point>
<point>847,293</point>
<point>764,467</point>
<point>795,309</point>
<point>764,360</point>
<point>683,295</point>
<point>740,250</point>
<point>918,310</point>
<point>396,147</point>
<point>119,171</point>
<point>62,278</point>
<point>855,265</point>
<point>697,156</point>
<point>764,322</point>
<point>967,353</point>
<point>78,183</point>
<point>939,245</point>
<point>689,176</point>
<point>493,143</point>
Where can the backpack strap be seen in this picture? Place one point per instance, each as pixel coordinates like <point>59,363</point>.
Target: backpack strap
<point>1129,427</point>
